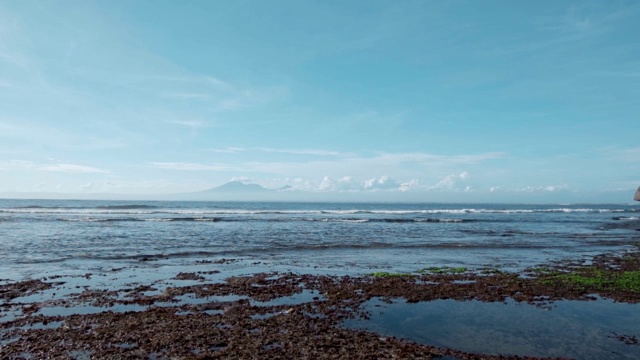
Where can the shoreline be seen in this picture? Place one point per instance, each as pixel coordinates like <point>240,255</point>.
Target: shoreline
<point>214,313</point>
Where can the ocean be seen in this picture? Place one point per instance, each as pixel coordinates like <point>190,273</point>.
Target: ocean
<point>94,258</point>
<point>49,237</point>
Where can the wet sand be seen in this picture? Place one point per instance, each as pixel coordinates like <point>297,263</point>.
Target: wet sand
<point>560,310</point>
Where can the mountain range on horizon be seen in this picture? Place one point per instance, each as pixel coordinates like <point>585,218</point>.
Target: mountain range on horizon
<point>239,190</point>
<point>237,186</point>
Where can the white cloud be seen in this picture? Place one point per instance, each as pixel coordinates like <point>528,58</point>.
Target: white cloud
<point>241,98</point>
<point>71,168</point>
<point>409,171</point>
<point>221,95</point>
<point>349,184</point>
<point>317,152</point>
<point>300,183</point>
<point>217,83</point>
<point>194,124</point>
<point>553,188</point>
<point>631,155</point>
<point>243,179</point>
<point>449,182</point>
<point>432,159</point>
<point>404,166</point>
<point>412,184</point>
<point>187,95</point>
<point>190,166</point>
<point>294,183</point>
<point>16,164</point>
<point>29,132</point>
<point>61,167</point>
<point>330,184</point>
<point>143,187</point>
<point>548,188</point>
<point>86,187</point>
<point>314,152</point>
<point>401,165</point>
<point>344,184</point>
<point>385,183</point>
<point>229,150</point>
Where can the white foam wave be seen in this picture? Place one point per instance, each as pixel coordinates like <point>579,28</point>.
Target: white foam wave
<point>205,212</point>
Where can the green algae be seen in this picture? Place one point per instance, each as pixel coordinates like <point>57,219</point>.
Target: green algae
<point>443,270</point>
<point>596,279</point>
<point>389,274</point>
<point>490,271</point>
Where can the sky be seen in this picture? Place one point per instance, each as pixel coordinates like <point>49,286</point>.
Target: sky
<point>490,101</point>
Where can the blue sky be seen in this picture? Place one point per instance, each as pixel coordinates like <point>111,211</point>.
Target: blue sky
<point>406,100</point>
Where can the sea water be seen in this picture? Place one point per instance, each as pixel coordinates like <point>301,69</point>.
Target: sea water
<point>118,245</point>
<point>45,237</point>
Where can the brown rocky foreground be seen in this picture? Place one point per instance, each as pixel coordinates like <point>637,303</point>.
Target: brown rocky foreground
<point>278,315</point>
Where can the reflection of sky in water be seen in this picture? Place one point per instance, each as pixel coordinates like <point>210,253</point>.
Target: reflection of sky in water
<point>576,329</point>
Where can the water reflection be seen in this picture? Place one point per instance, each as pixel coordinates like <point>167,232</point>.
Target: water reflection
<point>576,329</point>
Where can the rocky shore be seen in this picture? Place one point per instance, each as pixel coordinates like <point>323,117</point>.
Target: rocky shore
<point>279,315</point>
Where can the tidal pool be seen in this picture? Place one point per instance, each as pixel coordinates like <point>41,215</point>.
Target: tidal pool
<point>599,329</point>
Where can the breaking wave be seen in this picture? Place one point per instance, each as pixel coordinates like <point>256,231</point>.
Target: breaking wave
<point>149,210</point>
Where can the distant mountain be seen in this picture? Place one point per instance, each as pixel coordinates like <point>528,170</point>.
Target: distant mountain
<point>237,187</point>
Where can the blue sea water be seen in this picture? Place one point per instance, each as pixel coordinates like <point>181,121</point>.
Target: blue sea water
<point>39,237</point>
<point>114,245</point>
